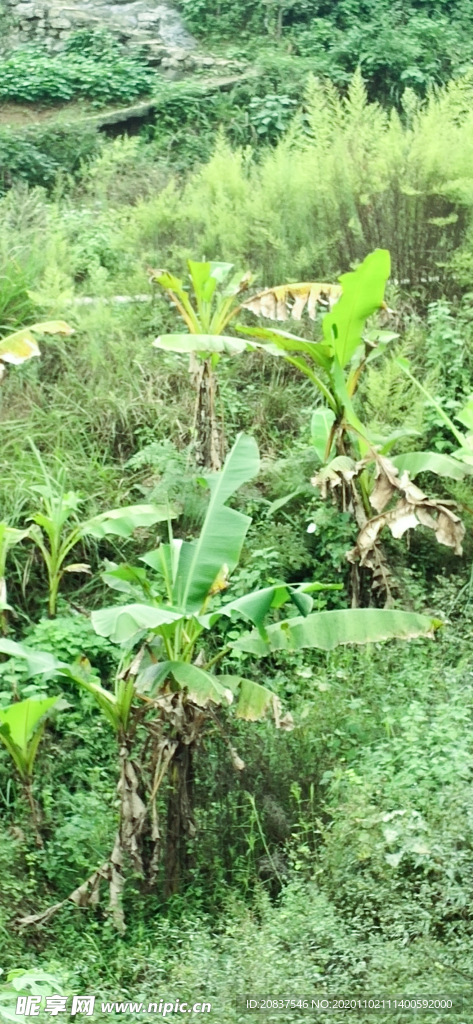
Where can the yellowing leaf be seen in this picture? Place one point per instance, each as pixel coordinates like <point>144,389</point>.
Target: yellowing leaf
<point>18,347</point>
<point>290,300</point>
<point>256,700</point>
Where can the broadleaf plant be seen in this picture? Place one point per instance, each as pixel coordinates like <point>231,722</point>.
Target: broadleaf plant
<point>168,690</point>
<point>57,529</point>
<point>217,296</point>
<point>354,461</point>
<point>20,346</point>
<point>21,729</point>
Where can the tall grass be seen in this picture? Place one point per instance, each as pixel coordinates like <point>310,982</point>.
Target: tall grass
<point>346,178</point>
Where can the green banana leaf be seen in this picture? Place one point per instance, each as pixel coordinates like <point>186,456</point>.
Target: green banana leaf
<point>431,462</point>
<point>327,630</point>
<point>21,728</point>
<point>320,428</point>
<point>121,522</point>
<point>363,294</point>
<point>121,623</point>
<point>38,663</point>
<point>205,343</point>
<point>202,687</point>
<point>223,531</point>
<point>255,701</point>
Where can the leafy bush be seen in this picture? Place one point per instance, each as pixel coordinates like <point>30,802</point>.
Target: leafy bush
<point>406,44</point>
<point>36,155</point>
<point>33,76</point>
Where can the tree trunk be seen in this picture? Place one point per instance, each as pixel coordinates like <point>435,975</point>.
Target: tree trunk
<point>35,812</point>
<point>208,439</point>
<point>180,819</point>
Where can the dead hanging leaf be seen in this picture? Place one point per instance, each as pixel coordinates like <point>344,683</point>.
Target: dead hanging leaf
<point>133,811</point>
<point>340,470</point>
<point>85,895</point>
<point>412,509</point>
<point>116,883</point>
<point>290,300</point>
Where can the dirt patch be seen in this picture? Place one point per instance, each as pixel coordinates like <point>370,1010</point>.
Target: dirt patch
<point>24,115</point>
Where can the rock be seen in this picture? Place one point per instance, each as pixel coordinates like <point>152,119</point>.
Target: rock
<point>24,10</point>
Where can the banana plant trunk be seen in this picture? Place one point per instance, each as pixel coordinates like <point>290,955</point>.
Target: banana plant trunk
<point>180,819</point>
<point>208,436</point>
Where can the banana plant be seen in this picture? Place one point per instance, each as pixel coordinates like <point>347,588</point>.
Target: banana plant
<point>21,728</point>
<point>56,529</point>
<point>20,346</point>
<point>216,293</point>
<point>169,689</point>
<point>217,296</point>
<point>174,675</point>
<point>355,463</point>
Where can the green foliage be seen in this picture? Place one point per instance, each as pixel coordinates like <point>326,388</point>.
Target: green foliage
<point>33,76</point>
<point>25,983</point>
<point>57,529</point>
<point>378,731</point>
<point>405,46</point>
<point>38,154</point>
<point>71,637</point>
<point>270,115</point>
<point>348,178</point>
<point>21,728</point>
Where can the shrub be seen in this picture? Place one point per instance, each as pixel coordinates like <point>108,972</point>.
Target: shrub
<point>32,76</point>
<point>36,155</point>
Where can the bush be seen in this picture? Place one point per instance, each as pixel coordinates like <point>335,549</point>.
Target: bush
<point>36,155</point>
<point>32,76</point>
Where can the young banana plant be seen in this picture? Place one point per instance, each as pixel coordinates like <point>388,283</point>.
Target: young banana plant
<point>21,728</point>
<point>57,528</point>
<point>171,614</point>
<point>22,723</point>
<point>217,297</point>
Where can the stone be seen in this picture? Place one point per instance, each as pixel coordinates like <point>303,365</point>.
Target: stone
<point>25,11</point>
<point>132,22</point>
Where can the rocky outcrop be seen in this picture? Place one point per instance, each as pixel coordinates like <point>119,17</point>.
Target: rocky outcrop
<point>149,27</point>
<point>132,21</point>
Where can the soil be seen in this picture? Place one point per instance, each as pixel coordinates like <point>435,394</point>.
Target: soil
<point>22,115</point>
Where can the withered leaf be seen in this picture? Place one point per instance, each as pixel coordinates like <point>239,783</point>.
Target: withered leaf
<point>290,300</point>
